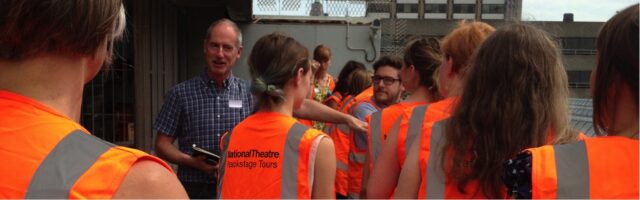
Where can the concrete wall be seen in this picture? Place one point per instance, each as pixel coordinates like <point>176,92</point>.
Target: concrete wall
<point>310,35</point>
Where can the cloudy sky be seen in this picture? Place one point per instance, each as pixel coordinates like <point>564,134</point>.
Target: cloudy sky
<point>583,10</point>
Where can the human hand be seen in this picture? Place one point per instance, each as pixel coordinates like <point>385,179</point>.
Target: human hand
<point>357,125</point>
<point>200,163</point>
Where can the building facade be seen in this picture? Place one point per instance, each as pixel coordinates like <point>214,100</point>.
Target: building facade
<point>446,9</point>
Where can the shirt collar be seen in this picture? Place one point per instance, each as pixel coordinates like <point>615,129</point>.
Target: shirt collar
<point>225,84</point>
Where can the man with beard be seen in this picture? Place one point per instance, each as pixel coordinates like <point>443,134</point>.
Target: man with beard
<point>386,86</point>
<point>387,89</point>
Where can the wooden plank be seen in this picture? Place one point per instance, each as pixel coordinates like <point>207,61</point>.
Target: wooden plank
<point>142,58</point>
<point>154,68</point>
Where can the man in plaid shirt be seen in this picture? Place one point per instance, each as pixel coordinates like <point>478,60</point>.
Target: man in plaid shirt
<point>200,110</point>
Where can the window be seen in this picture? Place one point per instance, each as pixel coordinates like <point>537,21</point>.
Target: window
<point>464,8</point>
<point>407,8</point>
<point>579,79</point>
<point>493,8</point>
<point>435,8</point>
<point>578,46</point>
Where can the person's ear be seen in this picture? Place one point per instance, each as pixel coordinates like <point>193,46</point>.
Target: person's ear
<point>239,52</point>
<point>300,75</point>
<point>412,70</point>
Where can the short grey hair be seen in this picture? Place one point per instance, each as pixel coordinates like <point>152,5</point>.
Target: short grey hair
<point>229,22</point>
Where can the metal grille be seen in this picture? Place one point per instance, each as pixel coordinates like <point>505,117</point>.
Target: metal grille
<point>394,36</point>
<point>290,5</point>
<point>333,8</point>
<point>107,109</point>
<point>267,5</point>
<point>379,6</point>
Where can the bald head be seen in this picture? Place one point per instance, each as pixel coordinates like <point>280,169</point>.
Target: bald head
<point>225,22</point>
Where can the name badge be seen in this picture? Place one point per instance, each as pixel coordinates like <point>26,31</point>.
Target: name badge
<point>235,103</point>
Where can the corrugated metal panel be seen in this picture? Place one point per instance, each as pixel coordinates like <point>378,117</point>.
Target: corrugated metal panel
<point>156,61</point>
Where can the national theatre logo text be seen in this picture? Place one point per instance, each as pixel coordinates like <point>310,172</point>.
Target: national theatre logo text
<point>253,158</point>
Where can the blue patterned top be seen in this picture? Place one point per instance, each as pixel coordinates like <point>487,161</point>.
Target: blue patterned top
<point>196,112</point>
<point>517,176</point>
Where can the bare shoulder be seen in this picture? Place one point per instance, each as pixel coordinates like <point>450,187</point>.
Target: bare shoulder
<point>326,145</point>
<point>148,179</point>
<point>326,152</point>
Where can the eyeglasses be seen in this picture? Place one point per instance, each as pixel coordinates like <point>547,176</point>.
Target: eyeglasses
<point>385,80</point>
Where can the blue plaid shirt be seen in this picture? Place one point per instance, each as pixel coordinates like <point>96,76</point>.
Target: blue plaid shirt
<point>196,112</point>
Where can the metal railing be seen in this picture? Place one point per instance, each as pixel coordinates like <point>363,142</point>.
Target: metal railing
<point>332,8</point>
<point>579,51</point>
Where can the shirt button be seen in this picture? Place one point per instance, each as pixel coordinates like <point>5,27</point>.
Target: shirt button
<point>218,98</point>
<point>218,116</point>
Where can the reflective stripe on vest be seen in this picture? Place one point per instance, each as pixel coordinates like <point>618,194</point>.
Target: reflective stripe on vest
<point>572,168</point>
<point>223,162</point>
<point>376,134</point>
<point>289,188</point>
<point>415,127</point>
<point>357,157</point>
<point>343,127</point>
<point>344,167</point>
<point>62,167</point>
<point>345,104</point>
<point>435,175</point>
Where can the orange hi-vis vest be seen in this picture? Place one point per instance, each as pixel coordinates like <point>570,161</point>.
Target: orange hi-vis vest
<point>357,154</point>
<point>416,124</point>
<point>268,155</point>
<point>335,97</point>
<point>340,135</point>
<point>433,184</point>
<point>47,155</point>
<point>365,94</point>
<point>594,168</point>
<point>380,123</point>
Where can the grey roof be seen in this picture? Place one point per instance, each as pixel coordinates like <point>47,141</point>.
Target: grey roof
<point>581,115</point>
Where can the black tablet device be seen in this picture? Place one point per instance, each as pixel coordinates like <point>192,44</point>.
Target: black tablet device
<point>211,157</point>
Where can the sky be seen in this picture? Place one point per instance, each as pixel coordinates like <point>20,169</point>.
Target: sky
<point>583,10</point>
